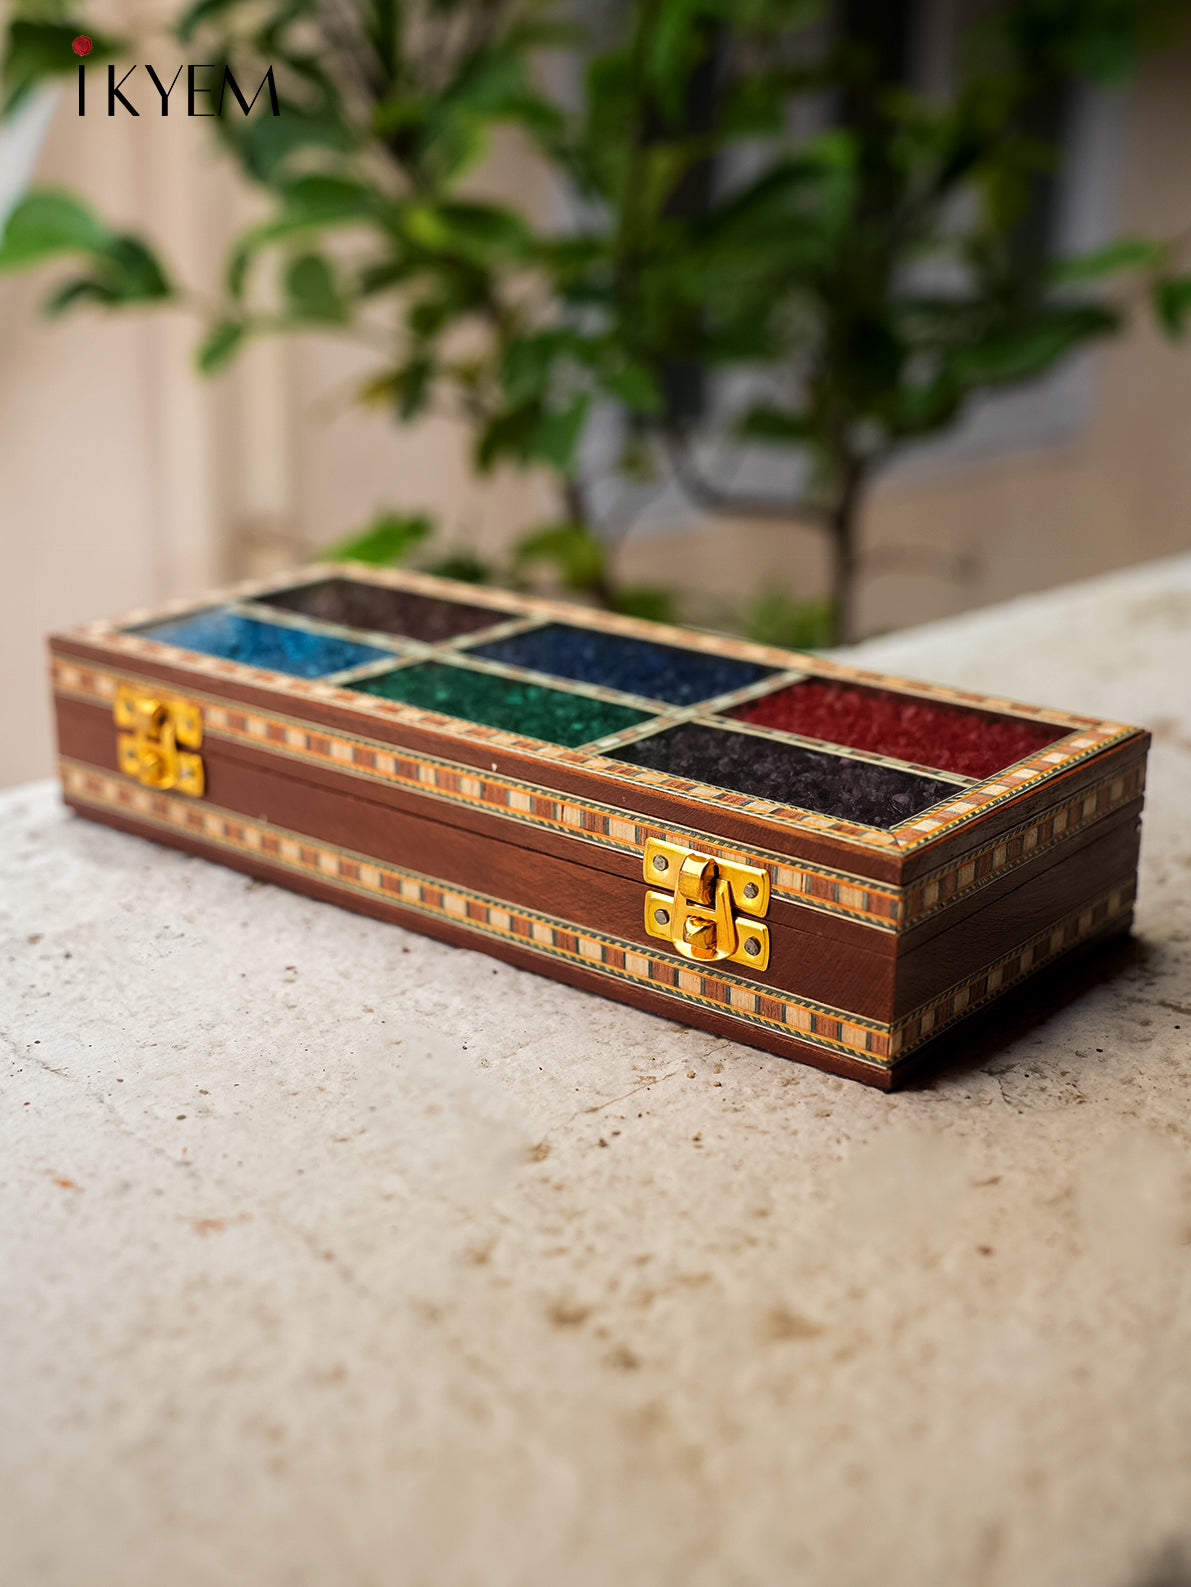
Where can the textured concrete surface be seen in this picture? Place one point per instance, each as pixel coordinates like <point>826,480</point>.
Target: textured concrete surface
<point>334,1256</point>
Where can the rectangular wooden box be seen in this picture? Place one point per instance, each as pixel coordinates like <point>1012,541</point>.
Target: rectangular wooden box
<point>827,863</point>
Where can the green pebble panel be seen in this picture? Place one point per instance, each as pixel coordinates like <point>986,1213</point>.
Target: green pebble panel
<point>549,714</point>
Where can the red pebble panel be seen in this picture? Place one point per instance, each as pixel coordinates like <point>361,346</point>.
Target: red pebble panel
<point>945,737</point>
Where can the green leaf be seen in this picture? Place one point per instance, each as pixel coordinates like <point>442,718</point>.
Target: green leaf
<point>570,548</point>
<point>430,315</point>
<point>309,204</point>
<point>36,50</point>
<point>47,223</point>
<point>389,538</point>
<point>411,387</point>
<point>399,113</point>
<point>528,366</point>
<point>465,566</point>
<point>320,198</point>
<point>220,345</point>
<point>507,435</point>
<point>483,234</point>
<point>1126,253</point>
<point>653,604</point>
<point>764,422</point>
<point>78,289</point>
<point>266,145</point>
<point>1017,353</point>
<point>311,291</point>
<point>555,437</point>
<point>134,272</point>
<point>775,618</point>
<point>636,386</point>
<point>1172,304</point>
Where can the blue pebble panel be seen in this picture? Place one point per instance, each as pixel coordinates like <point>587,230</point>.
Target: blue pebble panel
<point>634,666</point>
<point>257,644</point>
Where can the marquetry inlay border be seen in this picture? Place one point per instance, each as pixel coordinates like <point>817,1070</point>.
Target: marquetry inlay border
<point>1085,737</point>
<point>885,907</point>
<point>553,939</point>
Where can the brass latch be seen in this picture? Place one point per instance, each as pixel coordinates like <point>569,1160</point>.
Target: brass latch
<point>699,915</point>
<point>157,734</point>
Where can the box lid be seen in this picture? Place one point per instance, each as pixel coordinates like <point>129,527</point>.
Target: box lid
<point>755,754</point>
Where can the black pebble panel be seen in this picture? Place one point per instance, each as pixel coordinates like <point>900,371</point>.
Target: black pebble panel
<point>384,610</point>
<point>830,785</point>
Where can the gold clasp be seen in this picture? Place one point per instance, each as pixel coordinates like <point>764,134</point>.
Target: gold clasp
<point>153,729</point>
<point>698,917</point>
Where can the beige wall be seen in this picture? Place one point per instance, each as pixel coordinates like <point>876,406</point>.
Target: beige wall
<point>124,479</point>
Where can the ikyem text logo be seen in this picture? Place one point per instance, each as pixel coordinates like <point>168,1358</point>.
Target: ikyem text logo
<point>215,92</point>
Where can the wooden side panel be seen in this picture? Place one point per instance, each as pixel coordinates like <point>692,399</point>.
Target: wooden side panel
<point>1109,860</point>
<point>803,962</point>
<point>842,965</point>
<point>85,734</point>
<point>952,920</point>
<point>874,1074</point>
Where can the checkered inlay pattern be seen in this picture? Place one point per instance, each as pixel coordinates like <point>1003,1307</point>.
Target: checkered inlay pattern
<point>818,887</point>
<point>1087,921</point>
<point>884,907</point>
<point>831,1029</point>
<point>1019,846</point>
<point>1086,736</point>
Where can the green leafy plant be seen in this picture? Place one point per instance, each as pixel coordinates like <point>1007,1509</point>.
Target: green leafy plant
<point>389,538</point>
<point>831,286</point>
<point>117,267</point>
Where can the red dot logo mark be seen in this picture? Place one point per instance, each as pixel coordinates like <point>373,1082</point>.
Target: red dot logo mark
<point>82,45</point>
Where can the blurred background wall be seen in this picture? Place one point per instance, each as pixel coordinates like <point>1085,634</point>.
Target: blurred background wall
<point>125,479</point>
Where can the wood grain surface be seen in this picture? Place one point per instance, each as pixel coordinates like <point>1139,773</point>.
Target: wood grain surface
<point>815,955</point>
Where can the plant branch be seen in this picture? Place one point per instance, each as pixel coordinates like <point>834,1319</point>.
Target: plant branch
<point>728,504</point>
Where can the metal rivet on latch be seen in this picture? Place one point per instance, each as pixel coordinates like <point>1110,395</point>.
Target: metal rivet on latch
<point>751,889</point>
<point>661,863</point>
<point>752,946</point>
<point>662,916</point>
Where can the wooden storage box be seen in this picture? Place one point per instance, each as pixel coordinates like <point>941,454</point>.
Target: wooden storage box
<point>830,864</point>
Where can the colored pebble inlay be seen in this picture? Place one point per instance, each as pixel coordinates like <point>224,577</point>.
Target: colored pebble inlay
<point>384,610</point>
<point>830,785</point>
<point>930,733</point>
<point>552,715</point>
<point>632,666</point>
<point>258,644</point>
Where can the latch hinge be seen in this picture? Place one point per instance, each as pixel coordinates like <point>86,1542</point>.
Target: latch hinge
<point>158,738</point>
<point>714,909</point>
